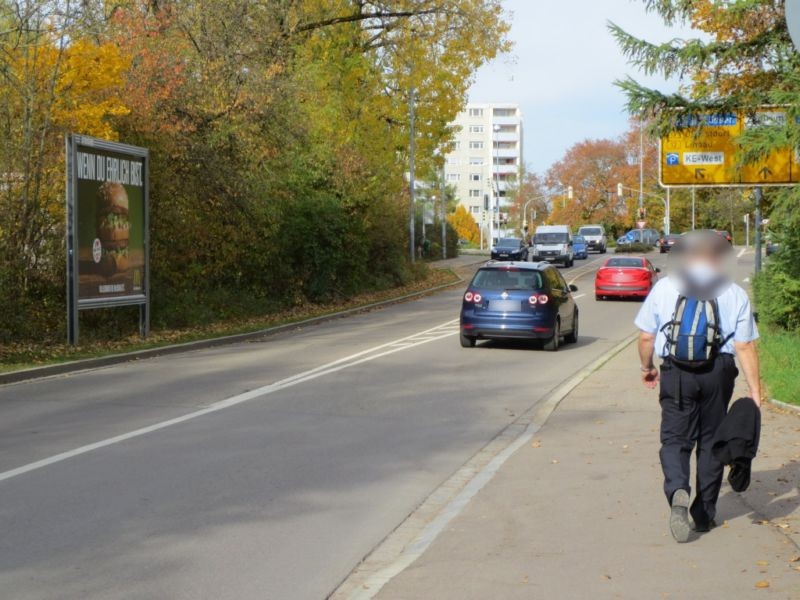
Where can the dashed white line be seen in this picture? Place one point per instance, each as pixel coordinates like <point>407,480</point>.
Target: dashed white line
<point>423,337</point>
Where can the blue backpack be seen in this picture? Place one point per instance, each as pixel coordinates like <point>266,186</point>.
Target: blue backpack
<point>694,336</point>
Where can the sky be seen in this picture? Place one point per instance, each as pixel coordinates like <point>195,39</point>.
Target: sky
<point>562,68</point>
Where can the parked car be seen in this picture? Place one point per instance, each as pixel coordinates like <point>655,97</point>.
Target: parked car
<point>648,237</point>
<point>666,243</point>
<point>579,247</point>
<point>771,246</point>
<point>553,243</point>
<point>726,235</point>
<point>625,277</point>
<point>510,249</point>
<point>519,301</point>
<point>595,236</point>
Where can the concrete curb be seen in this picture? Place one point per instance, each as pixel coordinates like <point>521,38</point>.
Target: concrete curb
<point>418,530</point>
<point>115,359</point>
<point>790,407</point>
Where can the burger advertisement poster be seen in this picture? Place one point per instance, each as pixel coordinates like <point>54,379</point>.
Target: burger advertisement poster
<point>107,205</point>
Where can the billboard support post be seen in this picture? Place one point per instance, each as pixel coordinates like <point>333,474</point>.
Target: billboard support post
<point>107,229</point>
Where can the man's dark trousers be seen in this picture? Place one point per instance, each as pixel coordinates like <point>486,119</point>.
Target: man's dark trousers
<point>693,405</point>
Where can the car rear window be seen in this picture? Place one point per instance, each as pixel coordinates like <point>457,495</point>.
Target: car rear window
<point>590,231</point>
<point>510,242</point>
<point>635,263</point>
<point>579,239</point>
<point>502,279</point>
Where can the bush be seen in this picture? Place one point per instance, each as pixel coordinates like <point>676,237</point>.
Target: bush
<point>777,297</point>
<point>635,248</point>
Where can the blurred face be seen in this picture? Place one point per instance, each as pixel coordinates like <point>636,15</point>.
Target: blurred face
<point>703,264</point>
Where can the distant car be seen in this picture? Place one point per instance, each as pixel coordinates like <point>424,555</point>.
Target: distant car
<point>595,236</point>
<point>625,277</point>
<point>579,247</point>
<point>666,243</point>
<point>772,247</point>
<point>726,235</point>
<point>648,237</point>
<point>510,249</point>
<point>519,301</point>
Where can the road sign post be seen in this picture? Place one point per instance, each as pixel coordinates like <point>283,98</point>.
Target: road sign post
<point>758,197</point>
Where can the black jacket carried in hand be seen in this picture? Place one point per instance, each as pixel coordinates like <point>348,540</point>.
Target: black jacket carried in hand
<point>736,441</point>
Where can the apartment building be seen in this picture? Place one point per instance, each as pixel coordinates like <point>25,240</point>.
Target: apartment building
<point>487,157</point>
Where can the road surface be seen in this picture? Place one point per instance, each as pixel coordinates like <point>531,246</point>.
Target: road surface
<point>199,487</point>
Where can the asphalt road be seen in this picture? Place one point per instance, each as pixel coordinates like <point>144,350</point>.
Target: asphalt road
<point>214,492</point>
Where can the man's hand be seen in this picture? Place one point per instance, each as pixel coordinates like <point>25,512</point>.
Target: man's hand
<point>748,359</point>
<point>650,378</point>
<point>649,372</point>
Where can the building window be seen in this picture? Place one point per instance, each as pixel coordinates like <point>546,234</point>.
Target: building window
<point>476,145</point>
<point>475,210</point>
<point>456,145</point>
<point>453,161</point>
<point>476,160</point>
<point>474,193</point>
<point>475,177</point>
<point>505,112</point>
<point>454,177</point>
<point>476,128</point>
<point>475,112</point>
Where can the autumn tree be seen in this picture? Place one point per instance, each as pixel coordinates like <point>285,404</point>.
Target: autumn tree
<point>464,225</point>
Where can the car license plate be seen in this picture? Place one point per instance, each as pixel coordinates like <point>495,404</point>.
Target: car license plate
<point>505,306</point>
<point>504,255</point>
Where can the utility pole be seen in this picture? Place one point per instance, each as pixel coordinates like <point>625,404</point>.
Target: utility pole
<point>667,217</point>
<point>411,190</point>
<point>759,195</point>
<point>694,204</point>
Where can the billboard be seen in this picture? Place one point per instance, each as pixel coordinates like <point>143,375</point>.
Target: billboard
<point>702,151</point>
<point>107,227</point>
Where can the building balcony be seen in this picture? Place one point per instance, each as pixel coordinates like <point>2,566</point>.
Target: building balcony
<point>506,136</point>
<point>505,121</point>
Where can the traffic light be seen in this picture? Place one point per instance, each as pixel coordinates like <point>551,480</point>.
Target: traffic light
<point>642,213</point>
<point>620,191</point>
<point>570,193</point>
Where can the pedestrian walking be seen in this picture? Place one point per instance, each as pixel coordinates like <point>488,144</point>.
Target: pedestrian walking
<point>696,321</point>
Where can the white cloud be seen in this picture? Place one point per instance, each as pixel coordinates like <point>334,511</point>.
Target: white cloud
<point>562,71</point>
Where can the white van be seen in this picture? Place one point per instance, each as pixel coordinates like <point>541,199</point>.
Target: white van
<point>553,243</point>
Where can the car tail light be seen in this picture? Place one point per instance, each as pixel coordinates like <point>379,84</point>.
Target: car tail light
<point>533,300</point>
<point>477,298</point>
<point>538,299</point>
<point>468,297</point>
<point>602,273</point>
<point>543,299</point>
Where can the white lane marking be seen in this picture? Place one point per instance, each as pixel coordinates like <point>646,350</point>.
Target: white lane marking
<point>742,252</point>
<point>578,296</point>
<point>746,280</point>
<point>444,331</point>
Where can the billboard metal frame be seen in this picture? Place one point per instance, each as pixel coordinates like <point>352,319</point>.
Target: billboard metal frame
<point>74,303</point>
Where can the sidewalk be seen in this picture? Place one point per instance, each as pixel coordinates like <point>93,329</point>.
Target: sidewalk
<point>579,514</point>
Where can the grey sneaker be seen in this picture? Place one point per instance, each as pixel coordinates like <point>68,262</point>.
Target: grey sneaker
<point>679,517</point>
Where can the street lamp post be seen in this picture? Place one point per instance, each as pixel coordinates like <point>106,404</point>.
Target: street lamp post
<point>496,177</point>
<point>412,184</point>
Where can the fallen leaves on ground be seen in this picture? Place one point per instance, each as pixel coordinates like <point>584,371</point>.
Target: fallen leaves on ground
<point>762,584</point>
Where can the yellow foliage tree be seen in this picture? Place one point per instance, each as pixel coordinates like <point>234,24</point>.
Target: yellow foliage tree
<point>465,225</point>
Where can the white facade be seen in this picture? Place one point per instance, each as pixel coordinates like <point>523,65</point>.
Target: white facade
<point>487,157</point>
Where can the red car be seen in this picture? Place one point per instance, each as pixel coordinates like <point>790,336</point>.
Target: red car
<point>726,235</point>
<point>625,277</point>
